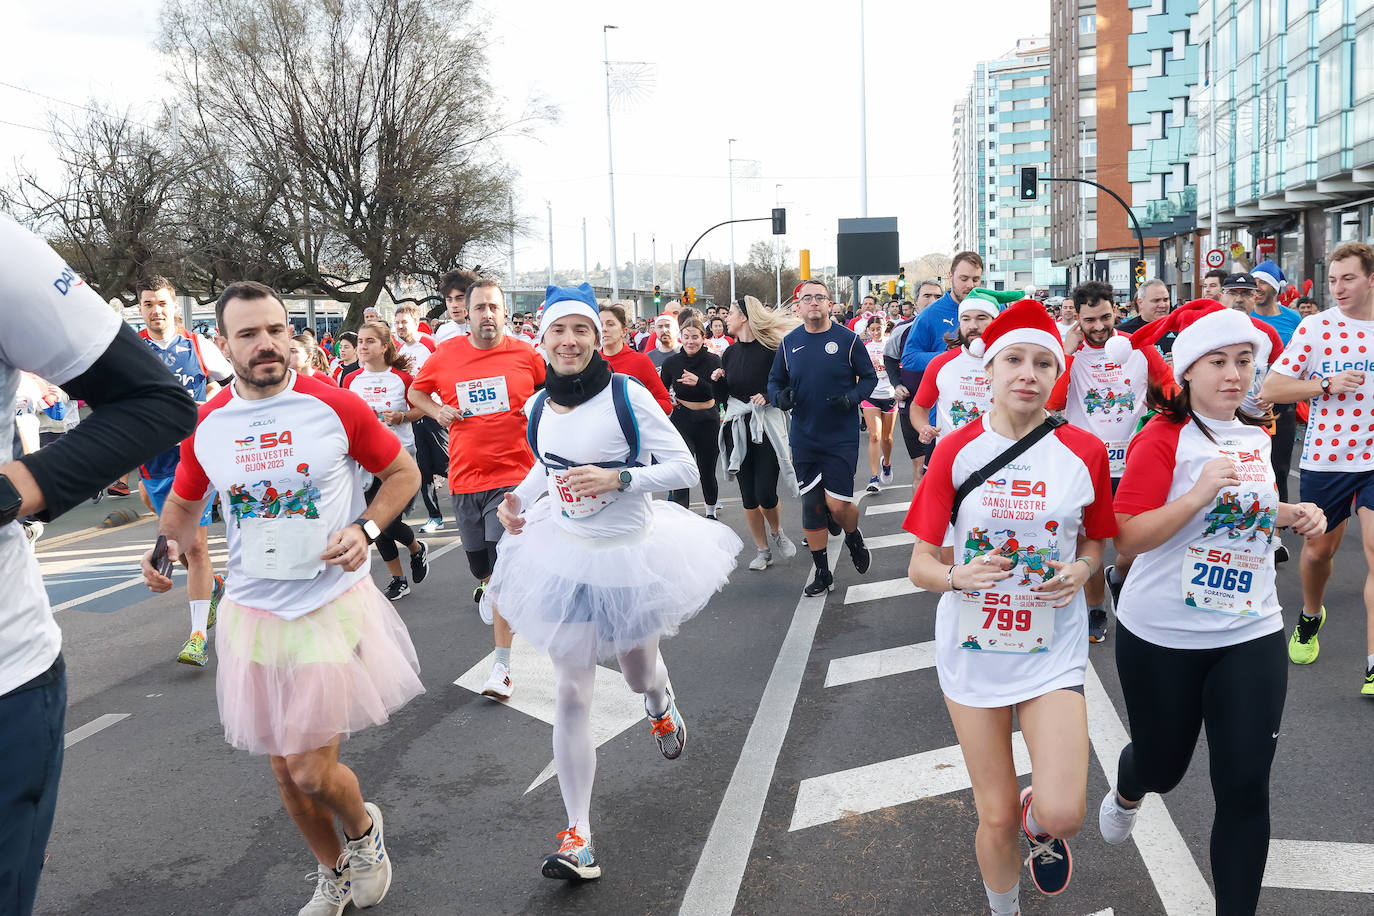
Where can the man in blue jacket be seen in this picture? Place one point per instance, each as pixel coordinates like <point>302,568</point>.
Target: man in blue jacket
<point>821,373</point>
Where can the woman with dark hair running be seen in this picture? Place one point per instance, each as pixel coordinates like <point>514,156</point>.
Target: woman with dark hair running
<point>382,381</point>
<point>688,373</point>
<point>1200,636</point>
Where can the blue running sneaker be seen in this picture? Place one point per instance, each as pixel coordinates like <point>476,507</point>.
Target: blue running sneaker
<point>1049,860</point>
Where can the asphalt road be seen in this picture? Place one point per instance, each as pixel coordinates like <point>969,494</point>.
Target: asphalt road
<point>821,773</point>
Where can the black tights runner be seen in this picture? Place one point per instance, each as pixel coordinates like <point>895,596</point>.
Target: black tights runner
<point>1238,693</point>
<point>396,532</point>
<point>700,429</point>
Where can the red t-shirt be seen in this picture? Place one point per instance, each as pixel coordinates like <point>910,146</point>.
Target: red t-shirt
<point>637,365</point>
<point>487,448</point>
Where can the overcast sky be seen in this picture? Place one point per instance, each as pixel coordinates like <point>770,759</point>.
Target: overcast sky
<point>782,79</point>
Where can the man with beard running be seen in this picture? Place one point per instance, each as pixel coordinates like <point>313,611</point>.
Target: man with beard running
<point>483,380</point>
<point>956,382</point>
<point>1107,399</point>
<point>821,373</point>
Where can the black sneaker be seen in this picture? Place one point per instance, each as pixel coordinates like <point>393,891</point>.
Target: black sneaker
<point>857,551</point>
<point>1097,624</point>
<point>1280,551</point>
<point>398,587</point>
<point>1114,586</point>
<point>822,583</point>
<point>1050,864</point>
<point>419,563</point>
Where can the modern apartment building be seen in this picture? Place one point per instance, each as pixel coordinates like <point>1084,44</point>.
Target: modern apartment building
<point>1285,107</point>
<point>1002,125</point>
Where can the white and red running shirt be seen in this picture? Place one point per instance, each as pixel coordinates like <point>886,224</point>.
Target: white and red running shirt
<point>1107,399</point>
<point>384,391</point>
<point>1212,584</point>
<point>1004,645</point>
<point>883,390</point>
<point>287,468</point>
<point>1340,429</point>
<point>417,352</point>
<point>957,385</point>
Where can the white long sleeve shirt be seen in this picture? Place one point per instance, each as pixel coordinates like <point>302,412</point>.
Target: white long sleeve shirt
<point>589,434</point>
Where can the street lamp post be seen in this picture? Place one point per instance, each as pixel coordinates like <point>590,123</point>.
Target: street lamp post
<point>610,158</point>
<point>730,146</point>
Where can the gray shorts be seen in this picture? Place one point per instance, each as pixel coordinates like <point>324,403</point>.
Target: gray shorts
<point>476,514</point>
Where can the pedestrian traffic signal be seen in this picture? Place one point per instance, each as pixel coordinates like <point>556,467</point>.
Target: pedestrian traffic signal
<point>689,295</point>
<point>658,296</point>
<point>901,280</point>
<point>1030,182</point>
<point>1139,272</point>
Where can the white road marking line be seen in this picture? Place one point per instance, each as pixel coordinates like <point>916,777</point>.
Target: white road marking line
<point>859,790</point>
<point>112,549</point>
<point>885,588</point>
<point>1318,865</point>
<point>101,593</point>
<point>720,869</point>
<point>93,726</point>
<point>882,663</point>
<point>901,539</point>
<point>615,707</point>
<point>887,508</point>
<point>1173,870</point>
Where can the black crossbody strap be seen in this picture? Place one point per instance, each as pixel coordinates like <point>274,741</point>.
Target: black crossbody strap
<point>1002,460</point>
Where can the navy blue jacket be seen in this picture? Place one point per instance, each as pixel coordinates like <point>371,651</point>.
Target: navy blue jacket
<point>824,369</point>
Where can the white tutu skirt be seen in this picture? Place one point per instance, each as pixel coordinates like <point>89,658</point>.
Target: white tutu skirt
<point>290,686</point>
<point>587,599</point>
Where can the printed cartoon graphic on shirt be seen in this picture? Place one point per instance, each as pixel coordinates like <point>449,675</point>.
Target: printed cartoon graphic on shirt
<point>1224,563</point>
<point>961,413</point>
<point>272,496</point>
<point>1012,618</point>
<point>1112,403</point>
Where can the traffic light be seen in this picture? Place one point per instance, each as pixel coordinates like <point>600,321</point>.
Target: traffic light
<point>901,281</point>
<point>779,220</point>
<point>689,295</point>
<point>658,296</point>
<point>1139,272</point>
<point>1030,182</point>
<point>892,289</point>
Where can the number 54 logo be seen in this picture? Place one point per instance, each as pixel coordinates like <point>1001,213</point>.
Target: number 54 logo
<point>1028,488</point>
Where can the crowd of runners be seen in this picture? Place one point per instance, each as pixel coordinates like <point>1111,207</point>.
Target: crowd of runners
<point>1060,459</point>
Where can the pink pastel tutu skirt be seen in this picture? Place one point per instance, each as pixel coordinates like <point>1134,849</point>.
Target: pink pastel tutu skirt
<point>589,599</point>
<point>290,686</point>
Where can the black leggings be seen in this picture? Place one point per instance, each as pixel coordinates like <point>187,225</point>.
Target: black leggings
<point>1238,693</point>
<point>1281,449</point>
<point>431,454</point>
<point>758,476</point>
<point>700,429</point>
<point>396,531</point>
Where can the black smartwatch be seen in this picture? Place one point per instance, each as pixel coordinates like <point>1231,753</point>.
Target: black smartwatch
<point>371,531</point>
<point>10,501</point>
<point>625,480</point>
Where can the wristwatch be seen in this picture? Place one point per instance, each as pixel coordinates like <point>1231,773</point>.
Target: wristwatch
<point>1326,385</point>
<point>625,480</point>
<point>370,529</point>
<point>10,501</point>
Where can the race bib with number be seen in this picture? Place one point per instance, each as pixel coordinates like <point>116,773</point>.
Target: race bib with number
<point>483,396</point>
<point>1015,622</point>
<point>572,505</point>
<point>282,548</point>
<point>1222,581</point>
<point>1116,456</point>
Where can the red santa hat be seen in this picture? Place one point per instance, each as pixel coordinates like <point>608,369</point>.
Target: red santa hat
<point>1201,326</point>
<point>1025,321</point>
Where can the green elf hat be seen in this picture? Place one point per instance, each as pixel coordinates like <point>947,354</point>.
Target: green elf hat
<point>990,301</point>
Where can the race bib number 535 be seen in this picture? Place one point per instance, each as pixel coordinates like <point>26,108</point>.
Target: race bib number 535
<point>1015,622</point>
<point>483,396</point>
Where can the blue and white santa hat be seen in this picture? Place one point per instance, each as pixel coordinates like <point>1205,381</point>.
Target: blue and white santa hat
<point>1270,273</point>
<point>562,301</point>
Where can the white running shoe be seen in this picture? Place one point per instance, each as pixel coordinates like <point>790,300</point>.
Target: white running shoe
<point>762,560</point>
<point>885,478</point>
<point>1114,821</point>
<point>369,867</point>
<point>434,524</point>
<point>498,684</point>
<point>786,549</point>
<point>332,893</point>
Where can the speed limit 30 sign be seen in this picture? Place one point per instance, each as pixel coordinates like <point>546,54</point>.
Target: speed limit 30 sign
<point>1216,257</point>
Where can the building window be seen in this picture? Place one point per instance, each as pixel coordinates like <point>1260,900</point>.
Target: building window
<point>1087,25</point>
<point>1087,106</point>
